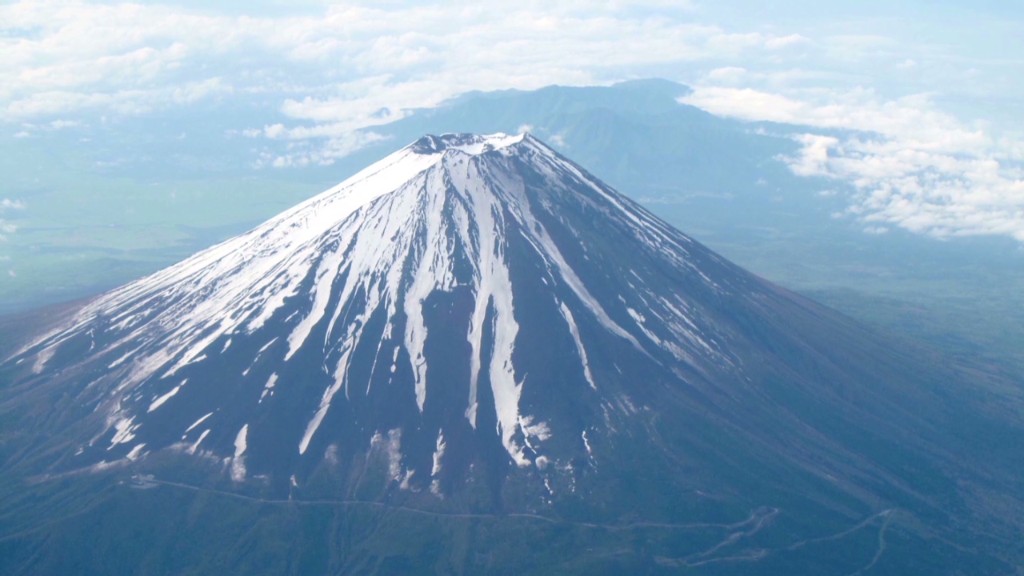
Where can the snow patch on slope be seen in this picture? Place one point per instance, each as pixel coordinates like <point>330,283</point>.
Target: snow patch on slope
<point>268,388</point>
<point>160,401</point>
<point>238,460</point>
<point>439,448</point>
<point>198,422</point>
<point>575,332</point>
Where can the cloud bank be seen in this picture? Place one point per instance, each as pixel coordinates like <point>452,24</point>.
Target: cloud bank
<point>335,68</point>
<point>325,71</point>
<point>909,165</point>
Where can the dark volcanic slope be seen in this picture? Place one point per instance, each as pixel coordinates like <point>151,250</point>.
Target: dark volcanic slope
<point>477,324</point>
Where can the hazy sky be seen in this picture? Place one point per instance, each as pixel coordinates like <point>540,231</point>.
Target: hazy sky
<point>935,87</point>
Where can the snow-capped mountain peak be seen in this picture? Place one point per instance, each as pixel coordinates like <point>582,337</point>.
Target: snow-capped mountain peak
<point>494,241</point>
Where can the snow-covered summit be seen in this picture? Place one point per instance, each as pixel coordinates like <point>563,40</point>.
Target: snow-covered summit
<point>467,143</point>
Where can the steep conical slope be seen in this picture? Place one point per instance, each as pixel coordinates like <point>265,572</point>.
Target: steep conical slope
<point>399,295</point>
<point>476,320</point>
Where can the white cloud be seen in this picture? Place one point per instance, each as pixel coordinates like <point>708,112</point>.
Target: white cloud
<point>63,124</point>
<point>558,140</point>
<point>321,153</point>
<point>324,73</point>
<point>728,75</point>
<point>275,131</point>
<point>857,48</point>
<point>6,229</point>
<point>909,164</point>
<point>190,92</point>
<point>68,56</point>
<point>747,103</point>
<point>813,159</point>
<point>779,42</point>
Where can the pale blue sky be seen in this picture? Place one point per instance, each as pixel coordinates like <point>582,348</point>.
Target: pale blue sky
<point>938,84</point>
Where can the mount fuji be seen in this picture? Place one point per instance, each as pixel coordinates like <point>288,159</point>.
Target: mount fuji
<point>476,330</point>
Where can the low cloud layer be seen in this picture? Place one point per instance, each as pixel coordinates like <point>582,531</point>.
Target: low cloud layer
<point>909,164</point>
<point>335,68</point>
<point>6,226</point>
<point>60,57</point>
<point>321,71</point>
